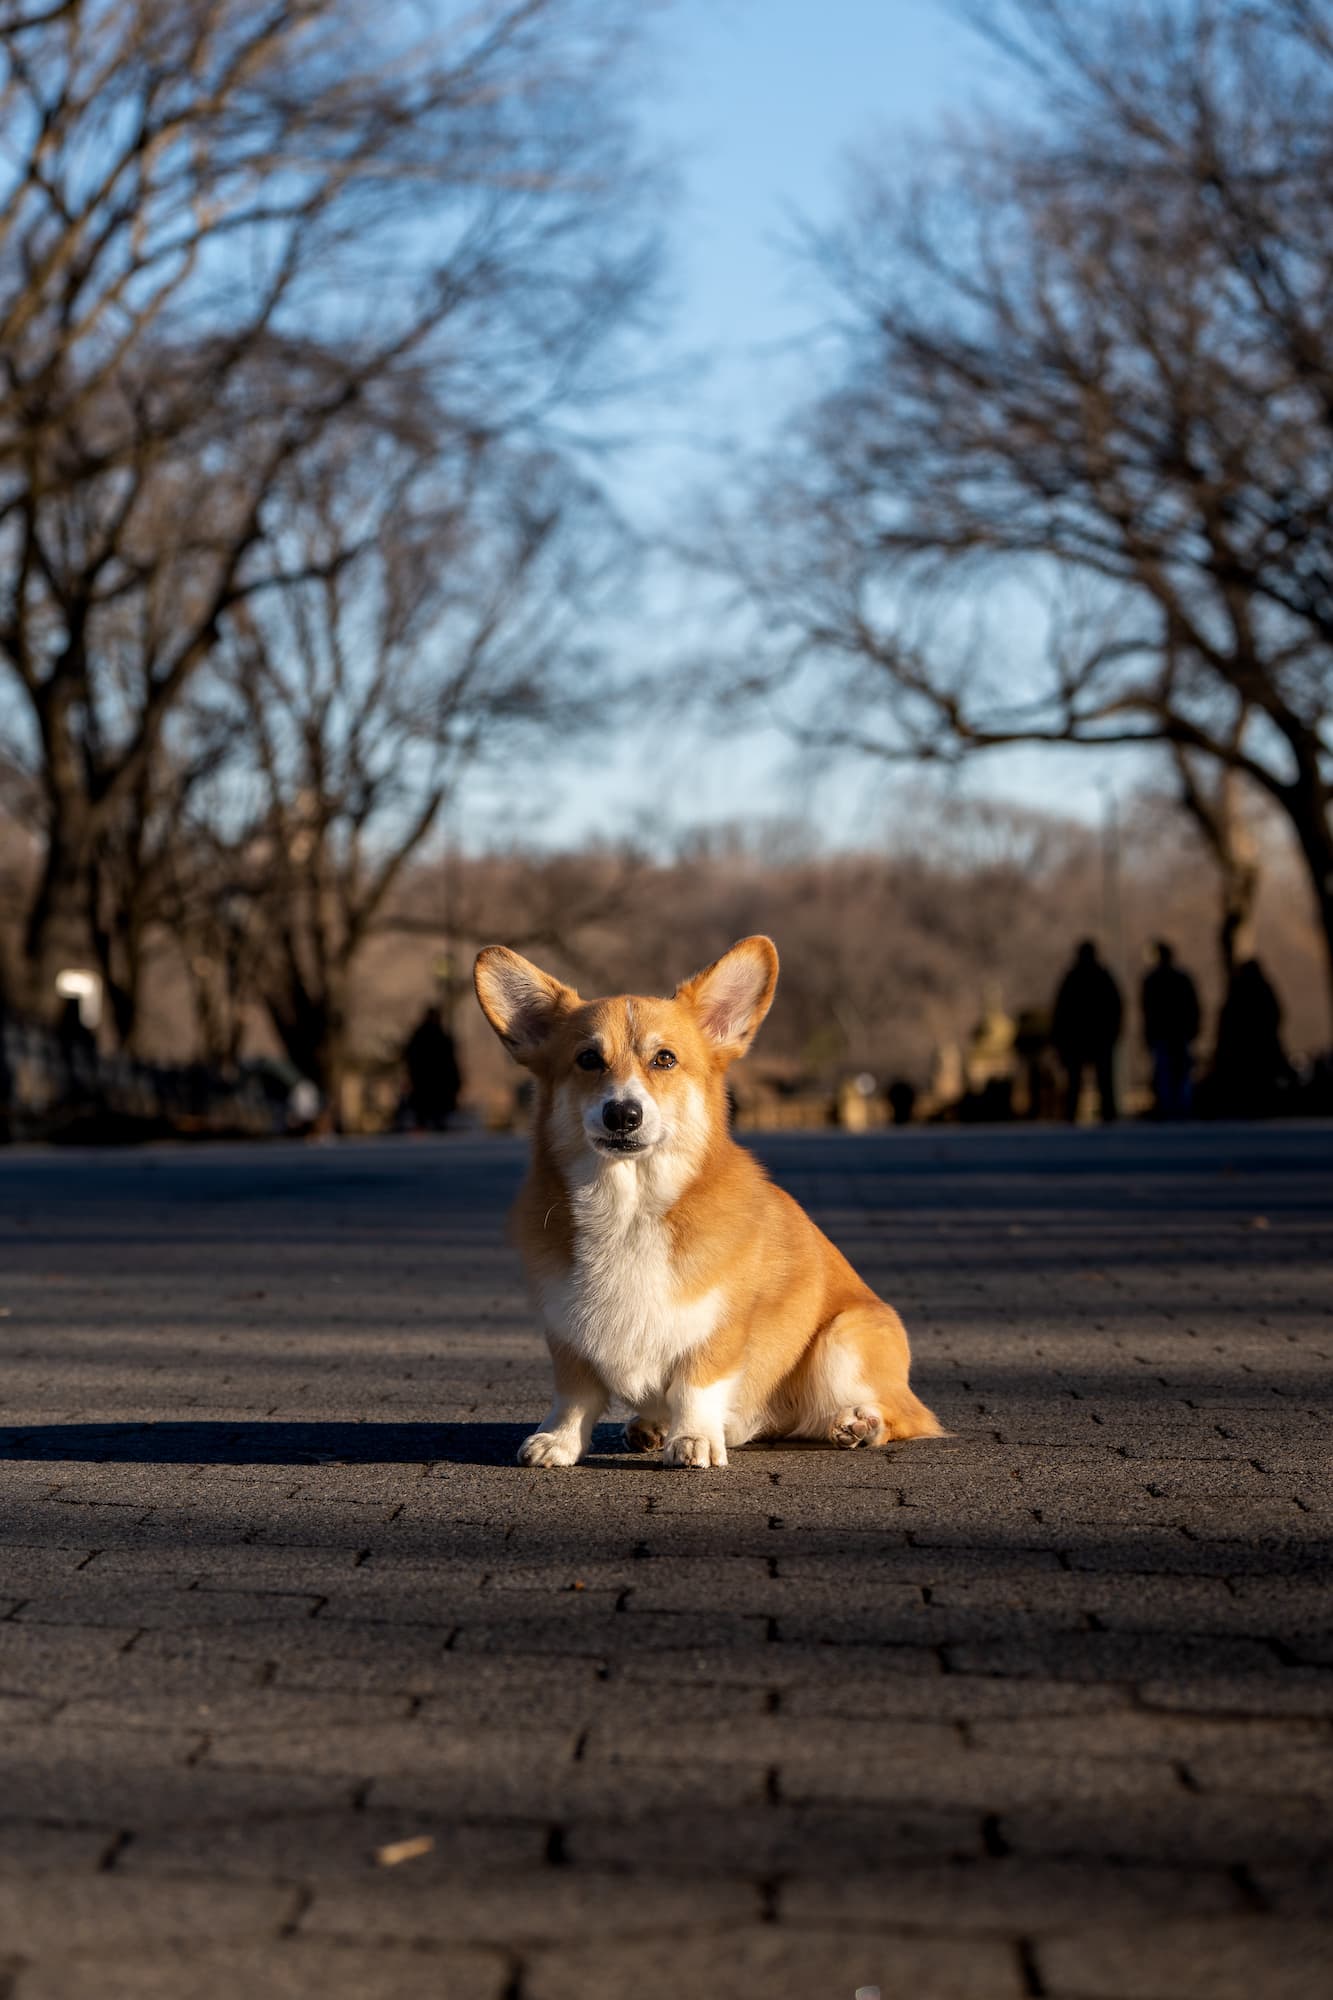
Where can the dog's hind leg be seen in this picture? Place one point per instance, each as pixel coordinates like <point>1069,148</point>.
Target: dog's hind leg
<point>646,1430</point>
<point>851,1386</point>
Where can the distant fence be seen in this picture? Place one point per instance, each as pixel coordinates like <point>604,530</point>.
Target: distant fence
<point>54,1088</point>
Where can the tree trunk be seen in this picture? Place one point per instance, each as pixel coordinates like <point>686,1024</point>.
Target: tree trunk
<point>210,1011</point>
<point>1310,816</point>
<point>118,941</point>
<point>301,1030</point>
<point>60,928</point>
<point>334,1079</point>
<point>1215,811</point>
<point>1240,892</point>
<point>1324,907</point>
<point>1324,901</point>
<point>312,1029</point>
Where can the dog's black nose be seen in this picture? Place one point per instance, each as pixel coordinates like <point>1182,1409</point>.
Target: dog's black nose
<point>622,1114</point>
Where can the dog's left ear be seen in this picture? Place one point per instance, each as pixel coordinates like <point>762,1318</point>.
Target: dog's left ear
<point>732,996</point>
<point>521,1002</point>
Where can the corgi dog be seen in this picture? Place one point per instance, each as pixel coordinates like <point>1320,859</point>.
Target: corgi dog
<point>671,1275</point>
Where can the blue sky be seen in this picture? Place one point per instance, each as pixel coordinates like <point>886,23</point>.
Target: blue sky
<point>758,103</point>
<point>762,99</point>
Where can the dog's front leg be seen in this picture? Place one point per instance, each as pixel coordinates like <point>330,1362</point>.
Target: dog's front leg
<point>580,1399</point>
<point>697,1422</point>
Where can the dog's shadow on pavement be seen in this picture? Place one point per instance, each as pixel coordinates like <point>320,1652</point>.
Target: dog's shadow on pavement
<point>201,1442</point>
<point>204,1441</point>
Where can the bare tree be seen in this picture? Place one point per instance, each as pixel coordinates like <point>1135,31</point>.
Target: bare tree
<point>443,620</point>
<point>1089,351</point>
<point>140,857</point>
<point>1209,791</point>
<point>229,231</point>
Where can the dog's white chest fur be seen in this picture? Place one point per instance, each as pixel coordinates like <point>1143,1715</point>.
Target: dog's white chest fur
<point>619,1303</point>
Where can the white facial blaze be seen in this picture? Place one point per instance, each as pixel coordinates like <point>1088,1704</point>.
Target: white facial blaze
<point>673,1129</point>
<point>648,1132</point>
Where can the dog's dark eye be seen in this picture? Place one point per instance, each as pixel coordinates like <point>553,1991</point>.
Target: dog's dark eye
<point>664,1060</point>
<point>589,1059</point>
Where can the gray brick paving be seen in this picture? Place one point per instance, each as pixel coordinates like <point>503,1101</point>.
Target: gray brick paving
<point>1043,1709</point>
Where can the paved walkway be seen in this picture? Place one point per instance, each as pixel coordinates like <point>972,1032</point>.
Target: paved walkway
<point>1041,1709</point>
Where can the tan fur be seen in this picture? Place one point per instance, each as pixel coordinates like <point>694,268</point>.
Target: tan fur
<point>679,1280</point>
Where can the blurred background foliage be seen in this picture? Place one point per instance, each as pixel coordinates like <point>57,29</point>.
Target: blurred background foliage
<point>326,342</point>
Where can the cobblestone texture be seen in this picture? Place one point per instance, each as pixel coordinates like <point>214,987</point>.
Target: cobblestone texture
<point>1045,1708</point>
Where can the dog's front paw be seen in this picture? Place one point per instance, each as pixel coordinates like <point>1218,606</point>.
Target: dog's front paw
<point>547,1448</point>
<point>641,1434</point>
<point>700,1451</point>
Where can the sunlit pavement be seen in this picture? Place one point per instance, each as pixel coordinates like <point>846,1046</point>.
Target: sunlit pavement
<point>1040,1709</point>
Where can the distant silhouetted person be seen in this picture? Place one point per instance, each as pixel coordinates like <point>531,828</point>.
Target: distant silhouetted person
<point>902,1100</point>
<point>433,1074</point>
<point>1250,1066</point>
<point>1170,1024</point>
<point>1085,1028</point>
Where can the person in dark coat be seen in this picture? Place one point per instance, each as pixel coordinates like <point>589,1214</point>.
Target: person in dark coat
<point>434,1078</point>
<point>1085,1028</point>
<point>1170,1024</point>
<point>1250,1065</point>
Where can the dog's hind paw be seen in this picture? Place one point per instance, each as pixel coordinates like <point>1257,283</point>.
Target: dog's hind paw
<point>862,1425</point>
<point>642,1434</point>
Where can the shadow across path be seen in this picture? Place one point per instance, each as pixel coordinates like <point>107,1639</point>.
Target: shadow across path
<point>277,1443</point>
<point>271,1443</point>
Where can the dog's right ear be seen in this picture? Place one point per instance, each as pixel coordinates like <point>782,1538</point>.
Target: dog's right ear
<point>521,1002</point>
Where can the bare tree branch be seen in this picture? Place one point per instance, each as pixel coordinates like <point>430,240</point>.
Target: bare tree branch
<point>1092,344</point>
<point>237,239</point>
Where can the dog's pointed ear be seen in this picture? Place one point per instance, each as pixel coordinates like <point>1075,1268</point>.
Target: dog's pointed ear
<point>521,1002</point>
<point>732,996</point>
